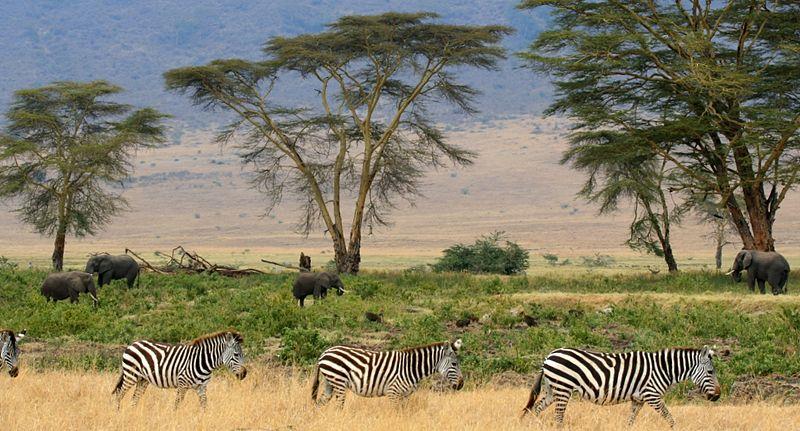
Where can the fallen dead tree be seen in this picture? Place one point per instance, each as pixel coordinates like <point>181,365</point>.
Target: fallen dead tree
<point>180,261</point>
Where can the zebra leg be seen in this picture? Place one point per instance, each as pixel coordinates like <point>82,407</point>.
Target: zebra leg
<point>561,399</point>
<point>339,392</point>
<point>658,405</point>
<point>201,392</point>
<point>141,385</point>
<point>636,406</point>
<point>179,397</point>
<point>546,399</point>
<point>123,388</point>
<point>326,394</point>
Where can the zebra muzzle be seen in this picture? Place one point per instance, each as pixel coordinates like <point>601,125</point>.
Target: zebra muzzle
<point>242,374</point>
<point>459,384</point>
<point>14,372</point>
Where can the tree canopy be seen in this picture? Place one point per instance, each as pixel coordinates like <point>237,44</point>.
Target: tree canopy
<point>370,138</point>
<point>63,145</point>
<point>712,87</point>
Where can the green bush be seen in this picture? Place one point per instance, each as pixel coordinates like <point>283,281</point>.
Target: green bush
<point>301,346</point>
<point>486,255</point>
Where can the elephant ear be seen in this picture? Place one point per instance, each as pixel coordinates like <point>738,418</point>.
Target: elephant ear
<point>104,266</point>
<point>747,260</point>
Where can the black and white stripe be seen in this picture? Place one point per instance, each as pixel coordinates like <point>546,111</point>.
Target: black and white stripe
<point>9,350</point>
<point>184,366</point>
<point>395,374</point>
<point>608,378</point>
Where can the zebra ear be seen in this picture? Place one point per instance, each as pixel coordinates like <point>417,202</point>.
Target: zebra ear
<point>456,345</point>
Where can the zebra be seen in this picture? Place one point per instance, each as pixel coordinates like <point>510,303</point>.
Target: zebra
<point>613,378</point>
<point>183,366</point>
<point>9,350</point>
<point>395,374</point>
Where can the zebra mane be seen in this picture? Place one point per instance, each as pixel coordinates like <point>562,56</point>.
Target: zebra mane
<point>411,349</point>
<point>199,340</point>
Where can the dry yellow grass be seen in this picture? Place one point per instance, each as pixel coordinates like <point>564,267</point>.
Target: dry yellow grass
<point>268,401</point>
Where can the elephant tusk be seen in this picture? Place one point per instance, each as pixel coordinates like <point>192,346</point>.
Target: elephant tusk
<point>729,272</point>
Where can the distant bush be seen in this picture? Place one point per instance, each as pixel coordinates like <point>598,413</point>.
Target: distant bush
<point>6,263</point>
<point>486,255</point>
<point>364,288</point>
<point>598,260</point>
<point>551,259</point>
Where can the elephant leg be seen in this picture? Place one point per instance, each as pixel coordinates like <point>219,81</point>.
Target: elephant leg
<point>751,283</point>
<point>130,281</point>
<point>73,297</point>
<point>761,287</point>
<point>302,301</point>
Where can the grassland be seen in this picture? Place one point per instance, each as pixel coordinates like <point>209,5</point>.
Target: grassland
<point>272,401</point>
<point>607,312</point>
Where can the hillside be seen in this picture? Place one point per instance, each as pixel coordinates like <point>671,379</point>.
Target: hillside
<point>133,43</point>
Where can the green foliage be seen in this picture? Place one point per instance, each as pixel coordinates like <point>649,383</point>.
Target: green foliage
<point>301,346</point>
<point>486,255</point>
<point>6,263</point>
<point>716,110</point>
<point>551,259</point>
<point>418,308</point>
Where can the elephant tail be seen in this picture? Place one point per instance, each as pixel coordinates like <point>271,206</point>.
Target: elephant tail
<point>118,387</point>
<point>138,276</point>
<point>315,385</point>
<point>537,387</point>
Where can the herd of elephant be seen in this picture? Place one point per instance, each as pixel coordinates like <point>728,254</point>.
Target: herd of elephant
<point>762,267</point>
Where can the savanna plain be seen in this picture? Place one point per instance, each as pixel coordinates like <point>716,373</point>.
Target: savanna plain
<point>70,360</point>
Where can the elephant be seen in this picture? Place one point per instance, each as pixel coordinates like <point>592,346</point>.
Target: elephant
<point>761,266</point>
<point>317,284</point>
<point>63,285</point>
<point>110,268</point>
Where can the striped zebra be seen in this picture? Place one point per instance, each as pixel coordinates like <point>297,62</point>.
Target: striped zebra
<point>9,350</point>
<point>395,374</point>
<point>183,366</point>
<point>613,378</point>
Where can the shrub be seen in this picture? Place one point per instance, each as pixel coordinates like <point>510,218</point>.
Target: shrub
<point>486,255</point>
<point>301,346</point>
<point>6,263</point>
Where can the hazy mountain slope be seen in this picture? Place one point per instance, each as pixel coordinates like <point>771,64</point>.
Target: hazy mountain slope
<point>133,42</point>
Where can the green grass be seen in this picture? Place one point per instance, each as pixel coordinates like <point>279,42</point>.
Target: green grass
<point>418,308</point>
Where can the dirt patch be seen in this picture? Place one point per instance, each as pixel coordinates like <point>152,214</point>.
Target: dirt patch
<point>775,388</point>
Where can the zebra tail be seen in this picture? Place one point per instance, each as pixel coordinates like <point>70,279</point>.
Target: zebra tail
<point>315,386</point>
<point>119,385</point>
<point>537,387</point>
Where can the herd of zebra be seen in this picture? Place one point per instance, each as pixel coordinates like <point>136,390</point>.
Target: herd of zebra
<point>603,378</point>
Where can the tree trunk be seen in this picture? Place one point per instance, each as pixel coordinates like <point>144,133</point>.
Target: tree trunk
<point>718,256</point>
<point>58,250</point>
<point>669,258</point>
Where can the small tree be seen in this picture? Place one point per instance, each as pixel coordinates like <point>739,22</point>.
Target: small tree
<point>63,145</point>
<point>623,169</point>
<point>370,138</point>
<point>711,214</point>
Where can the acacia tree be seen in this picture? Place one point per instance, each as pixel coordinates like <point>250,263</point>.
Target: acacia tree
<point>64,144</point>
<point>713,87</point>
<point>619,169</point>
<point>369,141</point>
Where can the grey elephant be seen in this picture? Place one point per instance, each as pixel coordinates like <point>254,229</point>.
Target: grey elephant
<point>761,266</point>
<point>63,285</point>
<point>317,284</point>
<point>110,268</point>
